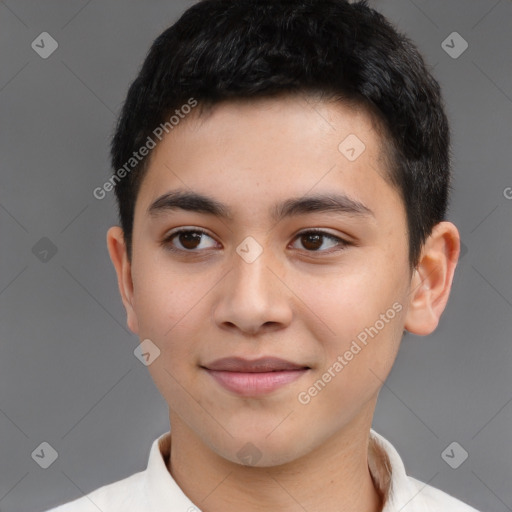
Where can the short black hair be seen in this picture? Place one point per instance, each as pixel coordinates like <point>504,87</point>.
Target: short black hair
<point>221,50</point>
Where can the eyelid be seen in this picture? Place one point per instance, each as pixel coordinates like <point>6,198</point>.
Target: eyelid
<point>321,231</point>
<point>186,229</point>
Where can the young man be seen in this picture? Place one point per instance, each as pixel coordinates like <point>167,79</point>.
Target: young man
<point>282,175</point>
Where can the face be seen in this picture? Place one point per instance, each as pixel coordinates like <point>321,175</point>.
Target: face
<point>323,284</point>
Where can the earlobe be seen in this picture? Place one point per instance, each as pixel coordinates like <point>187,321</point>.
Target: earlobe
<point>118,254</point>
<point>432,279</point>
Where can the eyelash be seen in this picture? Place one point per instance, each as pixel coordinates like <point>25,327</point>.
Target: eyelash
<point>167,242</point>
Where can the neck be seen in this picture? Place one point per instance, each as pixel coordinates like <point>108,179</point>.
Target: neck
<point>333,478</point>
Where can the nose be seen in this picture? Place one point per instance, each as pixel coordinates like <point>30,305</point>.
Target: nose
<point>252,298</point>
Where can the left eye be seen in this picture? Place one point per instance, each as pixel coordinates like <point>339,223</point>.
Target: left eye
<point>313,240</point>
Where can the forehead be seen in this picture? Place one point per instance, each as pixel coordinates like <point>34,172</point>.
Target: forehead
<point>249,154</point>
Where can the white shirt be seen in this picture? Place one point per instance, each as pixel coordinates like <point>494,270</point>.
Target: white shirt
<point>155,490</point>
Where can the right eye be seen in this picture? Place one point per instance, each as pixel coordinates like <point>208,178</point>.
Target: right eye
<point>190,240</point>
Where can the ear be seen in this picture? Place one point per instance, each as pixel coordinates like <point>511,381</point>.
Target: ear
<point>432,279</point>
<point>119,256</point>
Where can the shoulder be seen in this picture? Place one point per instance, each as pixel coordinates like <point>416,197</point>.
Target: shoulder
<point>403,492</point>
<point>436,500</point>
<point>124,495</point>
<point>140,492</point>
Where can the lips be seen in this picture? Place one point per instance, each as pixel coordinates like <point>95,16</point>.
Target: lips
<point>263,364</point>
<point>252,378</point>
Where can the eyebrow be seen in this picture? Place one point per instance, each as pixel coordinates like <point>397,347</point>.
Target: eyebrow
<point>199,203</point>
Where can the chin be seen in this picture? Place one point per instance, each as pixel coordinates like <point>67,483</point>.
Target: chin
<point>261,450</point>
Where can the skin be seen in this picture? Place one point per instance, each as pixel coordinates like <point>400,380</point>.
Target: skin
<point>294,302</point>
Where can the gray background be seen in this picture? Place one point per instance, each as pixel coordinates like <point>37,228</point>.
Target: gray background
<point>68,375</point>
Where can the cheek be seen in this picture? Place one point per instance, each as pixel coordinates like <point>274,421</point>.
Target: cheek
<point>348,301</point>
<point>170,311</point>
<point>165,299</point>
<point>358,316</point>
<point>366,320</point>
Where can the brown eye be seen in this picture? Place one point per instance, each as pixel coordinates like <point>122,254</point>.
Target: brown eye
<point>312,241</point>
<point>187,240</point>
